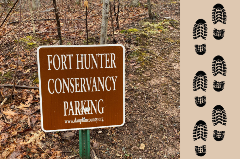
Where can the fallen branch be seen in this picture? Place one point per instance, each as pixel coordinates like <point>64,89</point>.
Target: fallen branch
<point>37,20</point>
<point>5,99</point>
<point>17,86</point>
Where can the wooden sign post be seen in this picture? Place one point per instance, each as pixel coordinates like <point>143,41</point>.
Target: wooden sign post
<point>81,87</point>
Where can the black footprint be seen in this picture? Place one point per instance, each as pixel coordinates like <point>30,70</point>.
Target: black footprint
<point>200,29</point>
<point>218,135</point>
<point>200,101</point>
<point>218,34</point>
<point>219,14</point>
<point>200,131</point>
<point>200,49</point>
<point>219,115</point>
<point>219,66</point>
<point>218,86</point>
<point>200,81</point>
<point>200,150</point>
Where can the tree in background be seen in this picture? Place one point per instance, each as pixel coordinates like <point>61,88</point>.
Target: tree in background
<point>149,9</point>
<point>58,22</point>
<point>105,11</point>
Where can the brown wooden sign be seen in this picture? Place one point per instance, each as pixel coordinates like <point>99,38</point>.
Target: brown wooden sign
<point>81,87</point>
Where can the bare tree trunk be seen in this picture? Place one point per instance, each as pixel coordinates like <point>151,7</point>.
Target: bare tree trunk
<point>105,11</point>
<point>31,13</point>
<point>149,9</point>
<point>111,15</point>
<point>14,78</point>
<point>33,5</point>
<point>117,15</point>
<point>58,22</point>
<point>64,23</point>
<point>87,24</point>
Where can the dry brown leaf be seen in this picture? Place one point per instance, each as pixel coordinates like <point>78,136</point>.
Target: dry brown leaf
<point>142,146</point>
<point>44,155</point>
<point>176,66</point>
<point>9,112</point>
<point>118,155</point>
<point>4,136</point>
<point>28,70</point>
<point>23,106</point>
<point>86,4</point>
<point>30,98</point>
<point>34,150</point>
<point>2,124</point>
<point>29,122</point>
<point>35,138</point>
<point>33,120</point>
<point>5,154</point>
<point>14,155</point>
<point>2,72</point>
<point>13,133</point>
<point>95,144</point>
<point>8,151</point>
<point>68,135</point>
<point>134,148</point>
<point>147,73</point>
<point>57,153</point>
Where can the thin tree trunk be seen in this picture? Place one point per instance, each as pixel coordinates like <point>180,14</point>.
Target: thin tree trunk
<point>14,78</point>
<point>86,24</point>
<point>105,11</point>
<point>111,15</point>
<point>34,5</point>
<point>58,22</point>
<point>149,9</point>
<point>31,13</point>
<point>64,24</point>
<point>117,15</point>
<point>38,8</point>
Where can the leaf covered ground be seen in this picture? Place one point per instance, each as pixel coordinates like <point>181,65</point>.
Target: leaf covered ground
<point>152,95</point>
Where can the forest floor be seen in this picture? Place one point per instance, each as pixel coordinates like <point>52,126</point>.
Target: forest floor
<point>152,82</point>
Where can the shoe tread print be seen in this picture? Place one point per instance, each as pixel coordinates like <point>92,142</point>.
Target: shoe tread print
<point>200,49</point>
<point>219,66</point>
<point>200,29</point>
<point>219,115</point>
<point>218,86</point>
<point>200,131</point>
<point>200,81</point>
<point>219,14</point>
<point>200,150</point>
<point>218,34</point>
<point>200,101</point>
<point>218,135</point>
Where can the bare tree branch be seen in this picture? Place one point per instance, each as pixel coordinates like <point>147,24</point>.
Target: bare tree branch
<point>9,13</point>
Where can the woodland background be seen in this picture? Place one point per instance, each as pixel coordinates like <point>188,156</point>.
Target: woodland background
<point>149,30</point>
